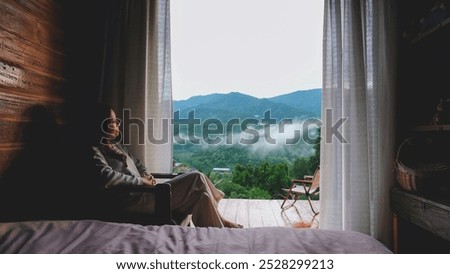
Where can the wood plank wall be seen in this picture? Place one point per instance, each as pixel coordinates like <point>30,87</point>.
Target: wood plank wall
<point>32,61</point>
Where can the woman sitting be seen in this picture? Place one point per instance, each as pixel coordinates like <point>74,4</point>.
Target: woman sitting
<point>192,193</point>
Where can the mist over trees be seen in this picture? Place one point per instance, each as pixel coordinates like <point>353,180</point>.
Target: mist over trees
<point>258,170</point>
<point>253,175</point>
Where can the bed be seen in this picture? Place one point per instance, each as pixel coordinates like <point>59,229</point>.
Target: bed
<point>90,236</point>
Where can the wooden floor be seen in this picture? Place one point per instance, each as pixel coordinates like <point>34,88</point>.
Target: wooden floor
<point>259,213</point>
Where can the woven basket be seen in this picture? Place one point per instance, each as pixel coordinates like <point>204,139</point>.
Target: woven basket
<point>420,166</point>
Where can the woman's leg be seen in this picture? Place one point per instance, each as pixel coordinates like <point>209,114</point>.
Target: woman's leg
<point>217,193</point>
<point>193,193</point>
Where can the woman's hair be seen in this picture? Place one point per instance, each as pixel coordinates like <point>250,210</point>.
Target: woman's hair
<point>105,141</point>
<point>101,119</point>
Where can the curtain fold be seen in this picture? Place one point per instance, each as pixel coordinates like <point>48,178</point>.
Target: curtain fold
<point>358,87</point>
<point>136,78</point>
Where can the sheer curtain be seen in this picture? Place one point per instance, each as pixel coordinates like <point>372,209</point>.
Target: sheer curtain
<point>136,78</point>
<point>359,87</point>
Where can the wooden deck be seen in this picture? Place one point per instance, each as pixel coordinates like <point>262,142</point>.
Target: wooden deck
<point>260,213</point>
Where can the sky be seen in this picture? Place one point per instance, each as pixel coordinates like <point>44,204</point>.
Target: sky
<point>262,48</point>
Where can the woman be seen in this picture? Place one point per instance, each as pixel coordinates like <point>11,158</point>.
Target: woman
<point>192,193</point>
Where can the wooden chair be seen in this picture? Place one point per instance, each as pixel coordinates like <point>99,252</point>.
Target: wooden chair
<point>309,186</point>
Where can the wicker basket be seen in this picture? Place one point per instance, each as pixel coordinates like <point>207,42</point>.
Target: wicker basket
<point>420,166</point>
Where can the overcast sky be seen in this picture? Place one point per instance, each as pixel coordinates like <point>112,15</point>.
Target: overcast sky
<point>258,47</point>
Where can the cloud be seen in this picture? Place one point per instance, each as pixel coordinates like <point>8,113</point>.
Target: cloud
<point>289,139</point>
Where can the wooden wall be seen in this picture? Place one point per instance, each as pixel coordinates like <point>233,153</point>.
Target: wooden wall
<point>31,67</point>
<point>51,54</point>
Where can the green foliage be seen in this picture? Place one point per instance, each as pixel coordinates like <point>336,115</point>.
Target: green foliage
<point>306,166</point>
<point>233,190</point>
<point>255,176</point>
<point>250,179</point>
<point>214,156</point>
<point>265,176</point>
<point>258,193</point>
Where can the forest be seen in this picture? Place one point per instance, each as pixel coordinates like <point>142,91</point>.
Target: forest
<point>253,175</point>
<point>264,142</point>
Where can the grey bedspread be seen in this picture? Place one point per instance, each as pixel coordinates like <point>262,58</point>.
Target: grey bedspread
<point>88,236</point>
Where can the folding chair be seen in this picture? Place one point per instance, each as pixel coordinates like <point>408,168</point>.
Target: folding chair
<point>309,186</point>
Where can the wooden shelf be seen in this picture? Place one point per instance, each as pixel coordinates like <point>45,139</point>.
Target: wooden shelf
<point>421,225</point>
<point>428,213</point>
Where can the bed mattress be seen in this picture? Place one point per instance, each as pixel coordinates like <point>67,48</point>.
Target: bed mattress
<point>90,236</point>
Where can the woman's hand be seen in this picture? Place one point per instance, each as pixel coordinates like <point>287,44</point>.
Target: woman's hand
<point>149,180</point>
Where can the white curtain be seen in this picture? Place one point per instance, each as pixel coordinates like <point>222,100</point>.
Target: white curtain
<point>136,78</point>
<point>358,86</point>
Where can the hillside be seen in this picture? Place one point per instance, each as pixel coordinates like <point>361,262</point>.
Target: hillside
<point>299,104</point>
<point>304,100</point>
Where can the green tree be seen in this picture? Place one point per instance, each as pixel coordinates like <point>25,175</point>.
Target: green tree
<point>306,166</point>
<point>265,176</point>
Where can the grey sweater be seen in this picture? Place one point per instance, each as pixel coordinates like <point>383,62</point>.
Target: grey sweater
<point>113,171</point>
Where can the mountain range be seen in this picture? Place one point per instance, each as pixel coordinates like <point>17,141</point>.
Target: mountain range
<point>296,105</point>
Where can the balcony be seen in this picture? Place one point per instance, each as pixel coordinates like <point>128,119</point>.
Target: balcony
<point>260,213</point>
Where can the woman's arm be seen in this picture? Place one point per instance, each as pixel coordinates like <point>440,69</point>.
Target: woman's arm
<point>111,177</point>
<point>140,167</point>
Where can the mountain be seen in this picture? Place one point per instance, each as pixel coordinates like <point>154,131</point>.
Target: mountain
<point>237,105</point>
<point>305,100</point>
<point>298,104</point>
